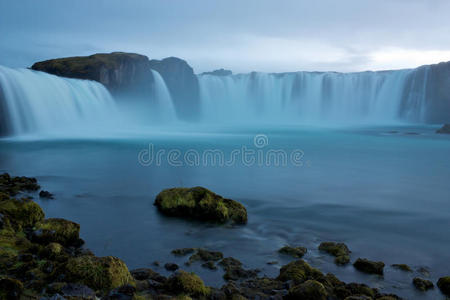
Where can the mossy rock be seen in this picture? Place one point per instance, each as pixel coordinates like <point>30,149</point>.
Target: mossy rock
<point>368,266</point>
<point>13,185</point>
<point>297,252</point>
<point>52,250</point>
<point>403,267</point>
<point>12,244</point>
<point>309,290</point>
<point>20,213</point>
<point>56,230</point>
<point>299,271</point>
<point>422,284</point>
<point>186,283</point>
<point>205,255</point>
<point>98,273</point>
<point>339,250</point>
<point>201,204</point>
<point>444,285</point>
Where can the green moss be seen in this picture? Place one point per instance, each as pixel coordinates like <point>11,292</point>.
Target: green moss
<point>21,213</point>
<point>52,250</point>
<point>297,252</point>
<point>342,259</point>
<point>11,245</point>
<point>200,203</point>
<point>187,283</point>
<point>57,231</point>
<point>99,273</point>
<point>298,271</point>
<point>309,290</point>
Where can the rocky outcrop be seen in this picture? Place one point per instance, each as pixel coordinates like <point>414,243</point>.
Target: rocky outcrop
<point>219,72</point>
<point>182,84</point>
<point>122,73</point>
<point>200,204</point>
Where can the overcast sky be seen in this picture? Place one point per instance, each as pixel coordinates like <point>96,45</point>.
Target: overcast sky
<point>252,35</point>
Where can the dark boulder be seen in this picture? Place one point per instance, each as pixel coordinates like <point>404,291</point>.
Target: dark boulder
<point>45,194</point>
<point>339,250</point>
<point>367,266</point>
<point>297,252</point>
<point>444,285</point>
<point>422,284</point>
<point>182,84</point>
<point>171,267</point>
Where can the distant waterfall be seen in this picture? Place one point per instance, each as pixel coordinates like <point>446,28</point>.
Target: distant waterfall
<point>165,108</point>
<point>314,97</point>
<point>35,102</point>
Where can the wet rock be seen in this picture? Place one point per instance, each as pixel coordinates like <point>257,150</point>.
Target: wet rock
<point>205,255</point>
<point>186,283</point>
<point>56,230</point>
<point>125,292</point>
<point>354,289</point>
<point>13,185</point>
<point>402,267</point>
<point>201,204</point>
<point>262,288</point>
<point>273,262</point>
<point>444,285</point>
<point>309,290</point>
<point>45,194</point>
<point>299,271</point>
<point>422,284</point>
<point>183,251</point>
<point>209,265</point>
<point>230,262</point>
<point>297,252</point>
<point>370,267</point>
<point>10,288</point>
<point>98,273</point>
<point>171,267</point>
<point>444,129</point>
<point>236,273</point>
<point>146,273</point>
<point>424,271</point>
<point>339,250</point>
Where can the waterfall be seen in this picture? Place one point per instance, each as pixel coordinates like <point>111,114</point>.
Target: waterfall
<point>315,97</point>
<point>165,107</point>
<point>39,103</point>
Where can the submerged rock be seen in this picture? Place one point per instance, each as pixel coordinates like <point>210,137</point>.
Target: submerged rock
<point>186,283</point>
<point>45,194</point>
<point>171,267</point>
<point>444,129</point>
<point>367,266</point>
<point>205,255</point>
<point>339,250</point>
<point>183,251</point>
<point>297,252</point>
<point>98,273</point>
<point>403,267</point>
<point>298,271</point>
<point>201,204</point>
<point>444,285</point>
<point>422,284</point>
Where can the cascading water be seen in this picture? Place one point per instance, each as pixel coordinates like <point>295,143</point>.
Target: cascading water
<point>313,97</point>
<point>40,103</point>
<point>165,107</point>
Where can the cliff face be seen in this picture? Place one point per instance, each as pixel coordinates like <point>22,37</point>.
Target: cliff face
<point>121,73</point>
<point>182,84</point>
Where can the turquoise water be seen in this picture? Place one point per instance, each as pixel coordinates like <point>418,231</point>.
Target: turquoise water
<point>385,194</point>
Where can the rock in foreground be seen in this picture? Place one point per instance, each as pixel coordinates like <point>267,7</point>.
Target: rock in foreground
<point>444,129</point>
<point>201,204</point>
<point>444,285</point>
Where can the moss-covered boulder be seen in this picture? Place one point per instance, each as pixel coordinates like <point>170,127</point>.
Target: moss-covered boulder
<point>201,204</point>
<point>299,271</point>
<point>309,290</point>
<point>339,250</point>
<point>368,266</point>
<point>186,283</point>
<point>422,284</point>
<point>444,285</point>
<point>297,252</point>
<point>56,230</point>
<point>98,273</point>
<point>20,213</point>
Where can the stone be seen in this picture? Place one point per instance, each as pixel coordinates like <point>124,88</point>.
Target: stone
<point>422,284</point>
<point>370,267</point>
<point>297,252</point>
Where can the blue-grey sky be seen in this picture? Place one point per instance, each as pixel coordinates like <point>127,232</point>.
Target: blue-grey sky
<point>242,35</point>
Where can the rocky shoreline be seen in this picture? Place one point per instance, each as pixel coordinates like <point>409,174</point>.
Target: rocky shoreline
<point>45,258</point>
